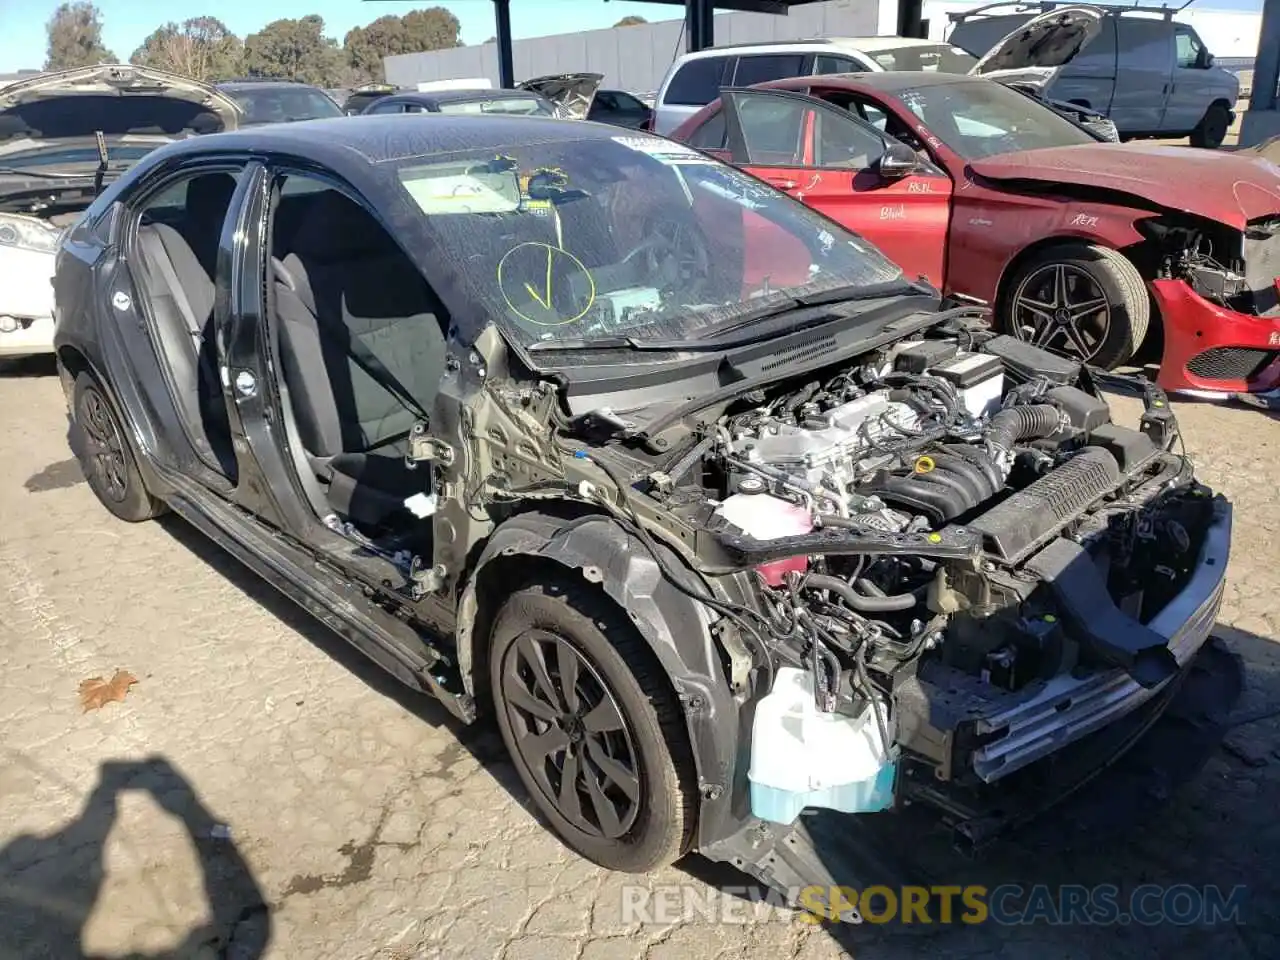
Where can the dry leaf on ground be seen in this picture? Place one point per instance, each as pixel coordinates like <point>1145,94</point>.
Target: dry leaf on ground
<point>96,692</point>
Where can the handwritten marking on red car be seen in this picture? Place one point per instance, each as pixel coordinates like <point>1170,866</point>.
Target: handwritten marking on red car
<point>1084,220</point>
<point>893,213</point>
<point>920,186</point>
<point>1274,339</point>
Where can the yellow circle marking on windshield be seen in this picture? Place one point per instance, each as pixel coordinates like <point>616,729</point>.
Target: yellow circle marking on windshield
<point>542,291</point>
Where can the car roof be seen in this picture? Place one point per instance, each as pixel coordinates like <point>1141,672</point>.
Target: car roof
<point>347,144</point>
<point>888,81</point>
<point>457,96</point>
<point>241,85</point>
<point>816,45</point>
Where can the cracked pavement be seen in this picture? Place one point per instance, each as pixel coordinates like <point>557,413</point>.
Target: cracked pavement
<point>264,791</point>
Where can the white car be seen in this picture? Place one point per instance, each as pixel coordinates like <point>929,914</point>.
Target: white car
<point>63,137</point>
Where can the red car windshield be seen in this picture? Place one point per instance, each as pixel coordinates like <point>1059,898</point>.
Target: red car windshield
<point>980,119</point>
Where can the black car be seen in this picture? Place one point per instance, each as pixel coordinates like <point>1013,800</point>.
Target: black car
<point>716,511</point>
<point>621,109</point>
<point>354,101</point>
<point>279,101</point>
<point>480,101</point>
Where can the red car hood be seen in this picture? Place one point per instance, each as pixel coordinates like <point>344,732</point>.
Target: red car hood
<point>1229,187</point>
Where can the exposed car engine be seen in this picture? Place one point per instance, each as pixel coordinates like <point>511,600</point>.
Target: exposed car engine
<point>944,525</point>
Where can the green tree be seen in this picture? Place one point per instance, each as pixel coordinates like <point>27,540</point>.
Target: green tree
<point>631,21</point>
<point>434,28</point>
<point>75,37</point>
<point>202,48</point>
<point>293,50</point>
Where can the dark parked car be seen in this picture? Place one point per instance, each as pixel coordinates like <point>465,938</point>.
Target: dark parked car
<point>620,109</point>
<point>356,100</point>
<point>719,513</point>
<point>518,102</point>
<point>279,101</point>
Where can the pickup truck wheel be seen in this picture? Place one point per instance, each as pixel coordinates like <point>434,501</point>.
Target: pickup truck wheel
<point>1080,300</point>
<point>1212,128</point>
<point>105,455</point>
<point>593,726</point>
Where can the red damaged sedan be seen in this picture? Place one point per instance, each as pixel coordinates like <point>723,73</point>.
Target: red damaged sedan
<point>1080,246</point>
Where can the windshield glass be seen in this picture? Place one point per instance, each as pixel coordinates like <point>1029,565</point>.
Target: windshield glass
<point>283,104</point>
<point>980,119</point>
<point>628,236</point>
<point>517,105</point>
<point>933,58</point>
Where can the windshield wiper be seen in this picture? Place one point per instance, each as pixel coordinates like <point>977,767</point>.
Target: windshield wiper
<point>800,308</point>
<point>39,174</point>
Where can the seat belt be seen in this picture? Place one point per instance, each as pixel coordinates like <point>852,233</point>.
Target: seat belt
<point>362,355</point>
<point>160,259</point>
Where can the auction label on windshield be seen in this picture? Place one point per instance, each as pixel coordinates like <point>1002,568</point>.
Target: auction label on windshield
<point>664,151</point>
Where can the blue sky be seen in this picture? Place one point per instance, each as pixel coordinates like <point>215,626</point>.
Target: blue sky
<point>127,22</point>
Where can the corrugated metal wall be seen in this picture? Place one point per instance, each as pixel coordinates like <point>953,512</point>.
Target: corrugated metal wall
<point>634,58</point>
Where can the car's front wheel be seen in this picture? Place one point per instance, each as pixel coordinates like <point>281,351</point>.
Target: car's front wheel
<point>593,726</point>
<point>105,456</point>
<point>1080,300</point>
<point>1212,129</point>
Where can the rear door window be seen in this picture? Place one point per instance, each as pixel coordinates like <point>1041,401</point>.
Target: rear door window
<point>825,63</point>
<point>696,83</point>
<point>762,67</point>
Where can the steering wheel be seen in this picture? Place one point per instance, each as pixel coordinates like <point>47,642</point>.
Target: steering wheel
<point>674,257</point>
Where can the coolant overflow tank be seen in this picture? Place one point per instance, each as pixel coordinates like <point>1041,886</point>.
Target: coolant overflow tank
<point>801,757</point>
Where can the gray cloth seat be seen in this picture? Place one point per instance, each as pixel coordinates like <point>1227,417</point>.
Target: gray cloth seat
<point>181,296</point>
<point>362,353</point>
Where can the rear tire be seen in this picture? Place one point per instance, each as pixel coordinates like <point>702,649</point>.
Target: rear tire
<point>1080,300</point>
<point>1212,128</point>
<point>106,457</point>
<point>617,728</point>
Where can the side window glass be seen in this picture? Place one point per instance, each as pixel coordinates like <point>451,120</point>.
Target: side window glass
<point>844,144</point>
<point>773,129</point>
<point>712,135</point>
<point>696,83</point>
<point>387,108</point>
<point>760,67</point>
<point>1188,50</point>
<point>825,63</point>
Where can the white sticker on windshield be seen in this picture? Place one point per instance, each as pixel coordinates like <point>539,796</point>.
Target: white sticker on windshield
<point>664,151</point>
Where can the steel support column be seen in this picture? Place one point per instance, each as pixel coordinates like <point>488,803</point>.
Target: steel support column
<point>1266,68</point>
<point>910,18</point>
<point>699,25</point>
<point>506,61</point>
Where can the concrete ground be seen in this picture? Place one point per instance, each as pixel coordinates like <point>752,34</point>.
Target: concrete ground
<point>263,791</point>
<point>262,784</point>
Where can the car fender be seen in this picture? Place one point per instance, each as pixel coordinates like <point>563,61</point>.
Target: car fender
<point>1114,227</point>
<point>676,627</point>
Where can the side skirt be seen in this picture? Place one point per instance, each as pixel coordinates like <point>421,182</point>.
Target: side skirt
<point>327,594</point>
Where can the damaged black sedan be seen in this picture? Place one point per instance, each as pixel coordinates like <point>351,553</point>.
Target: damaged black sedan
<point>721,517</point>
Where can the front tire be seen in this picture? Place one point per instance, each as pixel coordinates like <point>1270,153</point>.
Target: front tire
<point>1212,128</point>
<point>106,457</point>
<point>593,727</point>
<point>1080,300</point>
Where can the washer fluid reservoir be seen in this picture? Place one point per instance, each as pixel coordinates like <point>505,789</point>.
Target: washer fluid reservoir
<point>802,757</point>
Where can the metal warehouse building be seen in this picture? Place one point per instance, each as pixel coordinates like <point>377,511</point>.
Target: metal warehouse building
<point>636,58</point>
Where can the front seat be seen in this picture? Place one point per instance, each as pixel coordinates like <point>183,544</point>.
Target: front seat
<point>362,354</point>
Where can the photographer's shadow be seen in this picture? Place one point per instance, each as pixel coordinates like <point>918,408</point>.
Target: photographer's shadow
<point>50,883</point>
